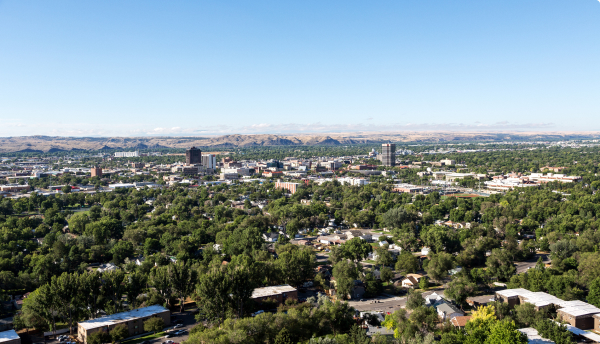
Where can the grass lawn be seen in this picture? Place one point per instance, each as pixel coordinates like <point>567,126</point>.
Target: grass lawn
<point>141,339</point>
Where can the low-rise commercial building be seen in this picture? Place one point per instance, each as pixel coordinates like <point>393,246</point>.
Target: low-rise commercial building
<point>576,313</point>
<point>134,320</point>
<point>14,188</point>
<point>280,293</point>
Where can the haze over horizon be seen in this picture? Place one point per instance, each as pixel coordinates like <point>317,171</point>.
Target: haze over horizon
<point>145,68</point>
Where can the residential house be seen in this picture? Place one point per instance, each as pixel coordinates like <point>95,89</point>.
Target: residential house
<point>432,300</point>
<point>448,311</point>
<point>410,282</point>
<point>460,321</point>
<point>270,236</point>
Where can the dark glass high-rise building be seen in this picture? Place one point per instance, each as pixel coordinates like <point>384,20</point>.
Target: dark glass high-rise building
<point>193,156</point>
<point>388,154</point>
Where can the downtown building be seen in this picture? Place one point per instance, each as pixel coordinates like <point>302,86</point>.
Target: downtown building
<point>193,156</point>
<point>388,154</point>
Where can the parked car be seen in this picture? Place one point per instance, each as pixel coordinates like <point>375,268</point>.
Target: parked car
<point>178,326</point>
<point>257,313</point>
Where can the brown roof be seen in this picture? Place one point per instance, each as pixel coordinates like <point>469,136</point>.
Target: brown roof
<point>411,279</point>
<point>460,321</point>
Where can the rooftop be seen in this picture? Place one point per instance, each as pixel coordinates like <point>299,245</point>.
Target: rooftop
<point>460,321</point>
<point>272,291</point>
<point>533,337</point>
<point>121,317</point>
<point>5,336</point>
<point>513,292</point>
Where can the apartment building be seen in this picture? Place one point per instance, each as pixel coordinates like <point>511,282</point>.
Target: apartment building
<point>134,320</point>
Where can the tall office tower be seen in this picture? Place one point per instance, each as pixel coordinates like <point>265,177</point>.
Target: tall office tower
<point>388,154</point>
<point>193,156</point>
<point>209,161</point>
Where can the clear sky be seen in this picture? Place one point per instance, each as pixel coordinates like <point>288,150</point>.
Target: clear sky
<point>129,68</point>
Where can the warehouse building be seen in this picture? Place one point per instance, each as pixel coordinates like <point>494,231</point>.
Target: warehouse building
<point>134,320</point>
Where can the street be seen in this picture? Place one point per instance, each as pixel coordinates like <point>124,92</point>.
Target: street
<point>524,266</point>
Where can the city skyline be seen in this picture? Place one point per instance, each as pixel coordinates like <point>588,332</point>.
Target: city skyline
<point>164,69</point>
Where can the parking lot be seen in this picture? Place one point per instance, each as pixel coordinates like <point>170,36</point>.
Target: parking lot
<point>187,321</point>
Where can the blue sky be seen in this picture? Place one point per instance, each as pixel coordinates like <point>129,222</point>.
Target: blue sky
<point>133,68</point>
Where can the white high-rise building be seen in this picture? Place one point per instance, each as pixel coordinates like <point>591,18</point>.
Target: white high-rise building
<point>127,154</point>
<point>209,161</point>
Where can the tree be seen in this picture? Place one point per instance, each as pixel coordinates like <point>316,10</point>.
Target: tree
<point>425,318</point>
<point>526,314</point>
<point>384,257</point>
<point>424,282</point>
<point>407,263</point>
<point>121,250</point>
<point>91,292</point>
<point>283,337</point>
<point>414,300</point>
<point>500,264</point>
<point>212,292</point>
<point>66,289</point>
<point>77,222</point>
<point>154,324</point>
<point>295,263</point>
<point>396,217</point>
<point>459,289</point>
<point>160,279</point>
<point>505,332</point>
<point>119,332</point>
<point>183,279</point>
<point>589,267</point>
<point>356,249</point>
<point>386,274</point>
<point>438,266</point>
<point>113,289</point>
<point>344,273</point>
<point>99,337</point>
<point>241,288</point>
<point>594,294</point>
<point>136,283</point>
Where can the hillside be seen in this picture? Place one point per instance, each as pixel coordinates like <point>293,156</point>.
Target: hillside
<point>54,143</point>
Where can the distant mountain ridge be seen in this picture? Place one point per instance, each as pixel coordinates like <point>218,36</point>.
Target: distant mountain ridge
<point>59,143</point>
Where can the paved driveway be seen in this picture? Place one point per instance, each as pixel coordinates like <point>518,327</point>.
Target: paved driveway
<point>387,303</point>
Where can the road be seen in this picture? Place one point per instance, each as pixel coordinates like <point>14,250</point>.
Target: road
<point>524,266</point>
<point>188,322</point>
<point>388,303</point>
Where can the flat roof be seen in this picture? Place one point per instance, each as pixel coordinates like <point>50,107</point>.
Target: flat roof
<point>579,308</point>
<point>272,291</point>
<point>533,336</point>
<point>580,332</point>
<point>513,292</point>
<point>541,299</point>
<point>118,318</point>
<point>5,336</point>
